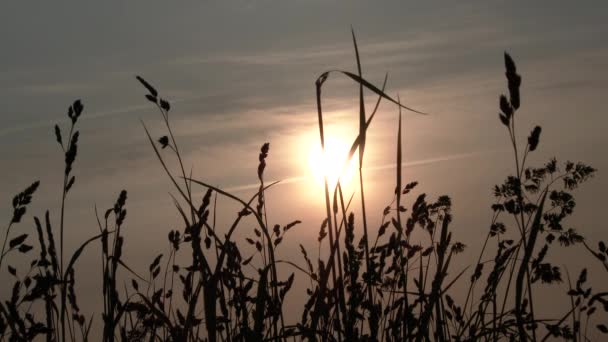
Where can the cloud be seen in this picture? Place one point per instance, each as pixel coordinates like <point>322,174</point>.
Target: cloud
<point>416,163</point>
<point>417,47</point>
<point>57,88</point>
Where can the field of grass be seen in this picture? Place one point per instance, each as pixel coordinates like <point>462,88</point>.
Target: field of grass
<point>384,285</point>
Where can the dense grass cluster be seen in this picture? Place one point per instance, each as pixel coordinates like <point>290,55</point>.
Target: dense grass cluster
<point>383,285</point>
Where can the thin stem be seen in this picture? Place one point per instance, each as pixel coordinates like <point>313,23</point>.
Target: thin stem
<point>8,230</point>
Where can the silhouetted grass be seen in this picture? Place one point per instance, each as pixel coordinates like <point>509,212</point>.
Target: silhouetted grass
<point>379,286</point>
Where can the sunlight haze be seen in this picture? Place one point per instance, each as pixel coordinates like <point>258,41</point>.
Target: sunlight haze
<point>239,74</point>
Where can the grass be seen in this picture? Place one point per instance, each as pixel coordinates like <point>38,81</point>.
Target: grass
<point>383,285</point>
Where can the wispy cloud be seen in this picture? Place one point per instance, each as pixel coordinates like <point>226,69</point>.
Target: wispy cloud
<point>416,163</point>
<point>411,47</point>
<point>56,88</point>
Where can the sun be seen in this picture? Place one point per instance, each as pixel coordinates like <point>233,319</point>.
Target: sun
<point>331,163</point>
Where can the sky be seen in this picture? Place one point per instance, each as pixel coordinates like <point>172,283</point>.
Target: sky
<point>241,73</point>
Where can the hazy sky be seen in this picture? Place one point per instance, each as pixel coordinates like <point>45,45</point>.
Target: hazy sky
<point>241,73</point>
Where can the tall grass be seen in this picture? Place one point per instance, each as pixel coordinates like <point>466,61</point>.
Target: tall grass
<point>383,285</point>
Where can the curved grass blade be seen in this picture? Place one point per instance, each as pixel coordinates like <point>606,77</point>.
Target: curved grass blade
<point>369,86</point>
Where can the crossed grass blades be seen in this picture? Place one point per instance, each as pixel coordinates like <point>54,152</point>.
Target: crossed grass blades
<point>390,287</point>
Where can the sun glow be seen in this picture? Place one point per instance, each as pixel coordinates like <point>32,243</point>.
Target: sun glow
<point>331,163</point>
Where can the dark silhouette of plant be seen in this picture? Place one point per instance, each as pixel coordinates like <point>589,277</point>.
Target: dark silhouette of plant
<point>214,285</point>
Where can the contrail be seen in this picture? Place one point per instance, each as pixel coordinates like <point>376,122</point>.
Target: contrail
<point>49,123</point>
<point>415,163</point>
<point>89,116</point>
